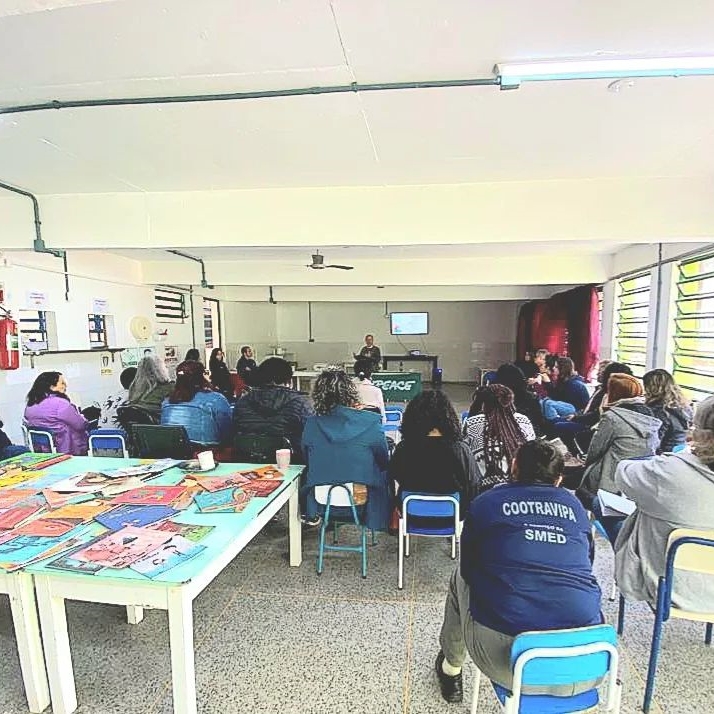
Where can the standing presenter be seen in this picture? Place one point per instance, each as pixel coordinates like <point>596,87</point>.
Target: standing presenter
<point>371,352</point>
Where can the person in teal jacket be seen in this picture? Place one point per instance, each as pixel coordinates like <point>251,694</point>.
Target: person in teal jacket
<point>344,444</point>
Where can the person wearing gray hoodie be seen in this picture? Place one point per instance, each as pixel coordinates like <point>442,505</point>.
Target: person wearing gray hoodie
<point>627,430</point>
<point>671,491</point>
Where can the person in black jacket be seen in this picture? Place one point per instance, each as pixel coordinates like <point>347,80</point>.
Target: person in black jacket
<point>246,366</point>
<point>220,375</point>
<point>272,408</point>
<point>670,406</point>
<point>525,401</point>
<point>431,456</point>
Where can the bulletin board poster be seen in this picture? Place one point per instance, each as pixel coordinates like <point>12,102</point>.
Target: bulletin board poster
<point>131,356</point>
<point>106,368</point>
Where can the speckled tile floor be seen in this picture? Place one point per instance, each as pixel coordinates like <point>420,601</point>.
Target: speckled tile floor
<point>270,638</point>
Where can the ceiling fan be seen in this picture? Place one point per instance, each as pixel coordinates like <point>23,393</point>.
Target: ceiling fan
<point>318,263</point>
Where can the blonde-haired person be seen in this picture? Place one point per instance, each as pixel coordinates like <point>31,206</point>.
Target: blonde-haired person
<point>151,385</point>
<point>628,430</point>
<point>670,406</point>
<point>671,491</point>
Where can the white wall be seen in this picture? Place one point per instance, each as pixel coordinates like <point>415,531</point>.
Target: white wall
<point>465,335</point>
<point>92,275</point>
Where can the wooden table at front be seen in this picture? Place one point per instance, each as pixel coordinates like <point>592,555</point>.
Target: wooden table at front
<point>173,590</point>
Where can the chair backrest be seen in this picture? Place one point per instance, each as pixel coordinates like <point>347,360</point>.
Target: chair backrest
<point>107,442</point>
<point>128,415</point>
<point>339,494</point>
<point>258,449</point>
<point>393,416</point>
<point>688,550</point>
<point>487,377</point>
<point>430,505</point>
<point>157,441</point>
<point>41,441</point>
<point>563,656</point>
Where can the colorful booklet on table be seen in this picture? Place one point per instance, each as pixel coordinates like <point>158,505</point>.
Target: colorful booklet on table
<point>189,531</point>
<point>151,468</point>
<point>25,549</point>
<point>230,500</point>
<point>172,553</point>
<point>137,516</point>
<point>217,483</point>
<point>267,472</point>
<point>16,476</point>
<point>55,499</point>
<point>15,515</point>
<point>152,495</point>
<point>31,461</point>
<point>262,487</point>
<point>47,527</point>
<point>121,549</point>
<point>82,512</point>
<point>14,496</point>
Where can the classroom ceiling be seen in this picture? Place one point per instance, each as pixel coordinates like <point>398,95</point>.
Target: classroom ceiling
<point>547,163</point>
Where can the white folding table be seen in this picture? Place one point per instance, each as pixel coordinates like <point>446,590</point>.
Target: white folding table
<point>27,633</point>
<point>173,591</point>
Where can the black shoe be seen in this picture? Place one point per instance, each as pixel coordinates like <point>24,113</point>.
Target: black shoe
<point>313,522</point>
<point>452,688</point>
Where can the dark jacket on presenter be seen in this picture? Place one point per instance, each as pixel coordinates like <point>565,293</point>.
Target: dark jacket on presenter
<point>371,352</point>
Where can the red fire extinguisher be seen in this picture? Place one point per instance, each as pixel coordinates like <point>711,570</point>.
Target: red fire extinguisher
<point>9,343</point>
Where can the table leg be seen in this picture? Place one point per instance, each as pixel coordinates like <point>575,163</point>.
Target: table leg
<point>134,614</point>
<point>295,527</point>
<point>53,620</point>
<point>29,642</point>
<point>183,669</point>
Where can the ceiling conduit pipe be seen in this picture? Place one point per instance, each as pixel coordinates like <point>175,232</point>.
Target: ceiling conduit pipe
<point>204,283</point>
<point>39,243</point>
<point>354,87</point>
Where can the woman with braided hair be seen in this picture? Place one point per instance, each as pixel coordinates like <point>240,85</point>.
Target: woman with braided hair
<point>494,432</point>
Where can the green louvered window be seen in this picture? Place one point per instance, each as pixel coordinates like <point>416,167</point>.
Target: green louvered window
<point>632,314</point>
<point>693,353</point>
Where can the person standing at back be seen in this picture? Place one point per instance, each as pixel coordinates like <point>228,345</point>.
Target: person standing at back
<point>246,366</point>
<point>371,352</point>
<point>272,408</point>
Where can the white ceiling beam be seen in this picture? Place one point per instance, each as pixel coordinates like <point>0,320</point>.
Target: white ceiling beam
<point>624,210</point>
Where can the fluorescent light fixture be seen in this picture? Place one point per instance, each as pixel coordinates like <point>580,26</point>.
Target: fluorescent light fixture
<point>511,74</point>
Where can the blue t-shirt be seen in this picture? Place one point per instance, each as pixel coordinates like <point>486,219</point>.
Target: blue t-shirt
<point>525,556</point>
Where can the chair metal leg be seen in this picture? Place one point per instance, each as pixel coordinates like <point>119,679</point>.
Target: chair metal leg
<point>321,548</point>
<point>708,634</point>
<point>400,573</point>
<point>476,685</point>
<point>613,592</point>
<point>453,547</point>
<point>654,650</point>
<point>621,615</point>
<point>374,538</point>
<point>364,552</point>
<point>335,530</point>
<point>406,545</point>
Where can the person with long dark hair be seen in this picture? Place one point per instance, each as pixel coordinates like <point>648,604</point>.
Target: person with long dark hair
<point>524,400</point>
<point>49,408</point>
<point>220,375</point>
<point>205,414</point>
<point>569,385</point>
<point>664,397</point>
<point>345,444</point>
<point>494,433</point>
<point>432,456</point>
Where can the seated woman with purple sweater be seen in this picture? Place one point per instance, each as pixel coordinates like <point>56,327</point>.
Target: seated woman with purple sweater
<point>49,408</point>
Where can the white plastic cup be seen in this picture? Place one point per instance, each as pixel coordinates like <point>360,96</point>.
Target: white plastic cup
<point>282,458</point>
<point>205,461</point>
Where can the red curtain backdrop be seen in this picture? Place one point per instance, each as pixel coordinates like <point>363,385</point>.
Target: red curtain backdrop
<point>566,324</point>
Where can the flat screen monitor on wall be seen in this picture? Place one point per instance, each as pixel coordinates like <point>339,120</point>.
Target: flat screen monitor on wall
<point>409,323</point>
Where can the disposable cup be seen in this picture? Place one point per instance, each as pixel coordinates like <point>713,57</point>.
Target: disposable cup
<point>282,458</point>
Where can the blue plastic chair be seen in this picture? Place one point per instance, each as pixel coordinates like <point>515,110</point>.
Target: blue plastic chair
<point>338,506</point>
<point>108,442</point>
<point>488,377</point>
<point>690,551</point>
<point>425,506</point>
<point>464,417</point>
<point>678,447</point>
<point>393,415</point>
<point>559,657</point>
<point>40,441</point>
